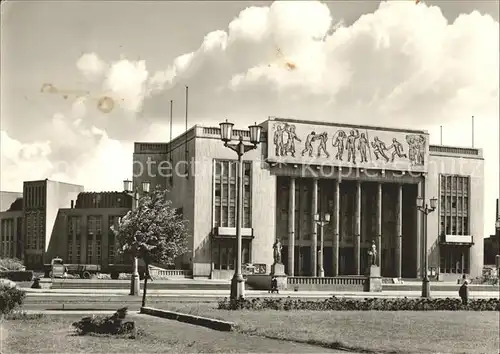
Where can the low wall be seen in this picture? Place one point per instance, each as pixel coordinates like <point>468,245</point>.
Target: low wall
<point>258,281</point>
<point>218,325</point>
<point>221,274</point>
<point>170,273</point>
<point>351,283</point>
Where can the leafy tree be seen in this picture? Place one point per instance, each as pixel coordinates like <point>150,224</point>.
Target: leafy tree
<point>153,232</point>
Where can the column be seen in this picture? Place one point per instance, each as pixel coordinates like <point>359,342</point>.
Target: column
<point>291,227</point>
<point>357,230</point>
<point>314,228</point>
<point>399,230</point>
<point>378,241</point>
<point>335,249</point>
<point>418,243</point>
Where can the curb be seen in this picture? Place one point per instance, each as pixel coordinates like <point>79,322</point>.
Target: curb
<point>211,323</point>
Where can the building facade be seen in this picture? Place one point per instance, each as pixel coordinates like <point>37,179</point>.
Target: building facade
<point>55,219</point>
<point>84,234</point>
<point>367,178</point>
<point>11,225</point>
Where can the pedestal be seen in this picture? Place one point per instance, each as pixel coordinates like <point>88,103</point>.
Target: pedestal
<point>373,282</point>
<point>278,271</point>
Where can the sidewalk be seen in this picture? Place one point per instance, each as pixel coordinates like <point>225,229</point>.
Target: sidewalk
<point>248,293</point>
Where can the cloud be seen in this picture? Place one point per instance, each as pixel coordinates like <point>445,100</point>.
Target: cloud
<point>91,66</point>
<point>73,153</point>
<point>403,65</point>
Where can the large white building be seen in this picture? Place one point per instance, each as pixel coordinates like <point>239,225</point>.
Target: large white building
<point>367,178</point>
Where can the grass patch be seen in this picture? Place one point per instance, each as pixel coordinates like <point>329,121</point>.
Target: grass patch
<point>366,331</point>
<point>54,334</point>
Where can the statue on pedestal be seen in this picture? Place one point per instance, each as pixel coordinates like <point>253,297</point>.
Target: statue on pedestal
<point>277,251</point>
<point>372,254</point>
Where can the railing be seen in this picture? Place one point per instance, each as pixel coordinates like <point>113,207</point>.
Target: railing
<point>171,273</point>
<point>453,150</point>
<point>351,280</point>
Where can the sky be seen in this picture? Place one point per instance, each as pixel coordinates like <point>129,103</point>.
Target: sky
<point>81,81</point>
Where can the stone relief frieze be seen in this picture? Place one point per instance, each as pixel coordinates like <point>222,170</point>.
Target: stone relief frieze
<point>352,146</point>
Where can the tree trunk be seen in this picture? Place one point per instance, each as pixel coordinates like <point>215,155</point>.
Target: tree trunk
<point>144,291</point>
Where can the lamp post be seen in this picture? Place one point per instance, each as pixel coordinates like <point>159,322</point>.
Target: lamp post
<point>321,223</point>
<point>426,210</point>
<point>128,188</point>
<point>226,133</point>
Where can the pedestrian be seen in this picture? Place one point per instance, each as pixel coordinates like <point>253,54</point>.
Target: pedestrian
<point>463,292</point>
<point>274,285</point>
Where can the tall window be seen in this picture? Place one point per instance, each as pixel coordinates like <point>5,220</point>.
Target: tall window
<point>41,231</point>
<point>94,231</point>
<point>90,254</point>
<point>454,206</point>
<point>98,254</point>
<point>112,247</point>
<point>71,231</point>
<point>225,194</point>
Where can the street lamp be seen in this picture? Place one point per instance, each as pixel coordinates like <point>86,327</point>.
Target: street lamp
<point>426,210</point>
<point>128,188</point>
<point>226,133</point>
<point>321,223</point>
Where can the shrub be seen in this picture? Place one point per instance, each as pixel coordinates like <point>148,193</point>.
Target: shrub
<point>486,280</point>
<point>17,275</point>
<point>367,304</point>
<point>10,299</point>
<point>11,264</point>
<point>114,324</point>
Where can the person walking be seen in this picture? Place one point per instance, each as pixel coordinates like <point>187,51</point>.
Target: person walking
<point>463,292</point>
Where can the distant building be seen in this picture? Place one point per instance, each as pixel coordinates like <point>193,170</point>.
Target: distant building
<point>11,225</point>
<point>492,243</point>
<point>303,167</point>
<point>41,203</point>
<point>84,232</point>
<point>59,219</point>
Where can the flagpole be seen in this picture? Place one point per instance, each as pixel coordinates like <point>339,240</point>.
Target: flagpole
<point>472,131</point>
<point>171,134</point>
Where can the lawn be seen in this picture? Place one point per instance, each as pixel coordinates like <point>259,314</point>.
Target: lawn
<point>54,334</point>
<point>372,331</point>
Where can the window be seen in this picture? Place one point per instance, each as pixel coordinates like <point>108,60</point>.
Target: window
<point>113,256</point>
<point>225,194</point>
<point>78,249</point>
<point>454,259</point>
<point>454,206</point>
<point>90,243</point>
<point>98,249</point>
<point>224,254</point>
<point>70,251</point>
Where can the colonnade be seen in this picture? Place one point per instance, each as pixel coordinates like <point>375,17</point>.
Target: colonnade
<point>336,228</point>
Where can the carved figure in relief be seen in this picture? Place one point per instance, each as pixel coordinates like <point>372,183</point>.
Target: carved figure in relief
<point>398,149</point>
<point>278,140</point>
<point>379,149</point>
<point>362,147</point>
<point>290,144</point>
<point>416,149</point>
<point>351,145</point>
<point>311,137</point>
<point>338,142</point>
<point>323,138</point>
